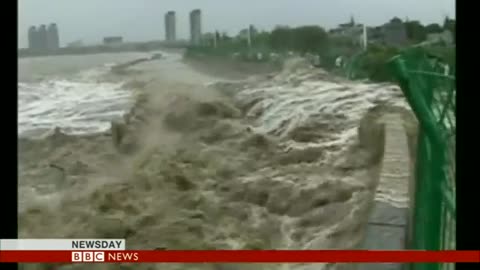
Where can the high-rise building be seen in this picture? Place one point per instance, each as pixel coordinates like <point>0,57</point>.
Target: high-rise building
<point>195,27</point>
<point>170,26</point>
<point>36,39</point>
<point>32,36</point>
<point>42,37</point>
<point>53,41</point>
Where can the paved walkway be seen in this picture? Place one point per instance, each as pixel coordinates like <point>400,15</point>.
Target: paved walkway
<point>387,224</point>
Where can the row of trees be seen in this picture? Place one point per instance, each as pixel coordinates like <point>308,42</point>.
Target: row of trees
<point>417,32</point>
<point>301,39</point>
<point>314,39</point>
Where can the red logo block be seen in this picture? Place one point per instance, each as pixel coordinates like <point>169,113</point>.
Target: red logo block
<point>88,256</point>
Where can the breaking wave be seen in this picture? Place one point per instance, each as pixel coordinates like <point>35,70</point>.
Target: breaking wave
<point>78,104</point>
<point>286,162</point>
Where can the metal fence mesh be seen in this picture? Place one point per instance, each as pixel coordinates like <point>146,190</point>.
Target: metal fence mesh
<point>430,89</point>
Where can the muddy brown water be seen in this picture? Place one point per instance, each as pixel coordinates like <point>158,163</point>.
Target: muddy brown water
<point>190,166</point>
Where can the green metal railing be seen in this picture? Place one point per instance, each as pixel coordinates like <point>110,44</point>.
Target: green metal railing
<point>431,94</point>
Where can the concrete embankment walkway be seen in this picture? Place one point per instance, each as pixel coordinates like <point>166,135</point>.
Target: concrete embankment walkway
<point>387,226</point>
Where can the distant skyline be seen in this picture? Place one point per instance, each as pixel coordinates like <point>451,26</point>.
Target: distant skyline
<point>141,20</point>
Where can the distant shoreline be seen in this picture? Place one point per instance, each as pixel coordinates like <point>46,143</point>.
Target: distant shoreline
<point>97,49</point>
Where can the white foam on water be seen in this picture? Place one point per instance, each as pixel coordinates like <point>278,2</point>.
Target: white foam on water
<point>331,107</point>
<point>280,106</point>
<point>79,104</point>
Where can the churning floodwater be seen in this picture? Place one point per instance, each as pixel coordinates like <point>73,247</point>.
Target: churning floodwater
<point>70,92</point>
<point>280,161</point>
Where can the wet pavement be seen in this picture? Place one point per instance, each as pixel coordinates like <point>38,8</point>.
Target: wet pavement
<point>387,226</point>
<point>386,231</point>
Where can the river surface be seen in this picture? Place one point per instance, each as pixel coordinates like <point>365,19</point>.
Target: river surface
<point>70,92</point>
<point>271,162</point>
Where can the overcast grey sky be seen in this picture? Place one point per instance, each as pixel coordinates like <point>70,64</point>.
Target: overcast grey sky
<point>138,20</point>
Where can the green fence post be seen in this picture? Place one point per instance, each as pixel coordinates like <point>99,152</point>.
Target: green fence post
<point>434,210</point>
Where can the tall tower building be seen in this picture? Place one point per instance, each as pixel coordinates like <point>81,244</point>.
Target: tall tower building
<point>53,41</point>
<point>32,35</point>
<point>170,26</point>
<point>195,27</point>
<point>36,39</point>
<point>42,37</point>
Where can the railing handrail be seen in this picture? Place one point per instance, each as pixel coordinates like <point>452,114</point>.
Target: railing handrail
<point>434,209</point>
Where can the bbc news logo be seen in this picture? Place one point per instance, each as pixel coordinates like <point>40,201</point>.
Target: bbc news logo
<point>101,256</point>
<point>88,256</point>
